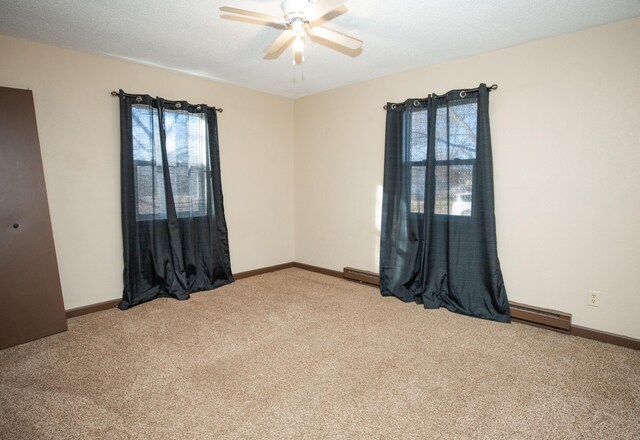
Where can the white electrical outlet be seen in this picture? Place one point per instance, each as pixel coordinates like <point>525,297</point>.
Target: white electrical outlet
<point>594,298</point>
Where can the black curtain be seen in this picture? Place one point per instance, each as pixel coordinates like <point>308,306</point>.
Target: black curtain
<point>173,225</point>
<point>438,237</point>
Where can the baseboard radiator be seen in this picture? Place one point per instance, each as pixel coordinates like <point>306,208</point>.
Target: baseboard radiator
<point>361,276</point>
<point>537,316</point>
<point>545,318</point>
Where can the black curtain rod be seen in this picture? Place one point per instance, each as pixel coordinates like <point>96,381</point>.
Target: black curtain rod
<point>113,93</point>
<point>463,93</point>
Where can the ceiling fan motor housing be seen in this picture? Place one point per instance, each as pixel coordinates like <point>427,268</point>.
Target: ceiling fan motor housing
<point>295,8</point>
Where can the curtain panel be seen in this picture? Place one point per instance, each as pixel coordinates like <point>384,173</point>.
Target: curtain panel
<point>438,237</point>
<point>173,225</point>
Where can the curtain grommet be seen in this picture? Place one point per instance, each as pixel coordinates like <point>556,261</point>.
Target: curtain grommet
<point>178,105</point>
<point>416,103</point>
<point>198,108</point>
<point>138,99</point>
<point>463,94</point>
<point>393,106</point>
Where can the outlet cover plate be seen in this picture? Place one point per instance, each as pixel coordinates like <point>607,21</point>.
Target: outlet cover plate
<point>593,298</point>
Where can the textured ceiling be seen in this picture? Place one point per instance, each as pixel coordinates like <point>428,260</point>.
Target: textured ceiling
<point>190,36</point>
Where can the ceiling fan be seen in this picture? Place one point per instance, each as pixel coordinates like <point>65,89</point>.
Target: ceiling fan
<point>300,18</point>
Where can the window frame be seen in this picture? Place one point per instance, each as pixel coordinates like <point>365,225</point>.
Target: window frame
<point>204,169</point>
<point>447,163</point>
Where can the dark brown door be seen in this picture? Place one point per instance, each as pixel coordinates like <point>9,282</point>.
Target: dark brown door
<point>31,304</point>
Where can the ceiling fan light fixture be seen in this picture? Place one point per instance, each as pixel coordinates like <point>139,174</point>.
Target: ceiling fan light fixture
<point>298,49</point>
<point>297,26</point>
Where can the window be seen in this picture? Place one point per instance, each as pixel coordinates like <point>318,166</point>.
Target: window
<point>455,155</point>
<point>187,159</point>
<point>174,232</point>
<point>437,229</point>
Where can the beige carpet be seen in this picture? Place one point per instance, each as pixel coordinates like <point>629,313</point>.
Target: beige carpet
<point>294,354</point>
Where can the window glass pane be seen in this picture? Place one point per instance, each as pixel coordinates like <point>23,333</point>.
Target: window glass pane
<point>454,185</point>
<point>150,196</point>
<point>418,174</point>
<point>189,166</point>
<point>150,192</point>
<point>442,190</point>
<point>418,136</point>
<point>456,131</point>
<point>460,187</point>
<point>146,138</point>
<point>463,130</point>
<point>442,139</point>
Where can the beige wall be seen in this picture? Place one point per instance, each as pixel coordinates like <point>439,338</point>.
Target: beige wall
<point>78,125</point>
<point>566,156</point>
<point>565,124</point>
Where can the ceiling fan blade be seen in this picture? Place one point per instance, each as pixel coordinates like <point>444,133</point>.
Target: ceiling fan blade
<point>284,38</point>
<point>253,14</point>
<point>336,37</point>
<point>322,8</point>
